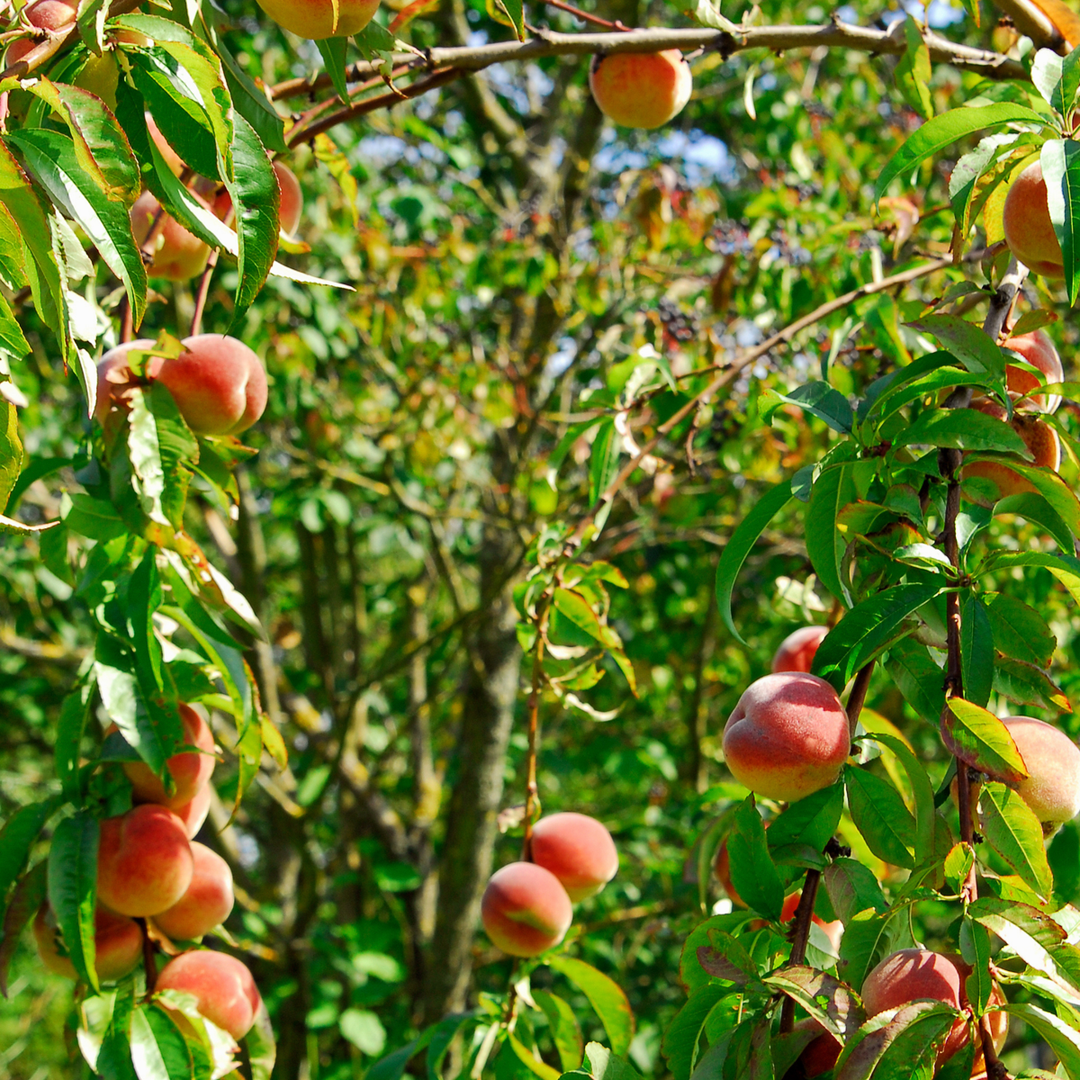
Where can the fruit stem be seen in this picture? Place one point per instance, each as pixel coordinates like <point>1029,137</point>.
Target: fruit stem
<point>531,788</point>
<point>585,16</point>
<point>800,935</point>
<point>857,697</point>
<point>149,964</point>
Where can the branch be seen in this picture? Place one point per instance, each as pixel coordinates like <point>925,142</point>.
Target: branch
<point>1034,23</point>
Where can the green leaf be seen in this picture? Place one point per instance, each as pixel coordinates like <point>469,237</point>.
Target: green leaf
<point>976,650</point>
<point>922,792</point>
<point>913,71</point>
<point>605,1064</point>
<point>904,1043</point>
<point>16,841</point>
<point>333,50</point>
<point>1031,934</point>
<point>27,898</point>
<point>603,461</point>
<point>531,1062</point>
<point>364,1030</point>
<point>158,1049</point>
<point>605,996</point>
<point>144,597</point>
<point>72,886</point>
<point>880,815</point>
<point>74,714</point>
<point>978,352</point>
<point>1065,568</point>
<point>1014,832</point>
<point>825,545</point>
<point>1020,631</point>
<point>751,865</point>
<point>738,547</point>
<point>1061,1036</point>
<point>392,1067</point>
<point>806,826</point>
<point>917,677</point>
<point>942,131</point>
<point>852,888</point>
<point>565,1030</point>
<point>251,103</point>
<point>683,1034</point>
<point>1035,508</point>
<point>819,399</point>
<point>515,12</point>
<point>824,997</point>
<point>94,518</point>
<point>980,739</point>
<point>1061,171</point>
<point>868,629</point>
<point>11,451</point>
<point>962,429</point>
<point>1028,685</point>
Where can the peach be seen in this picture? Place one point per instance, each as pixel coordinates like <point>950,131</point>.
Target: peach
<point>194,813</point>
<point>578,850</point>
<point>218,382</point>
<point>1029,233</point>
<point>118,944</point>
<point>144,861</point>
<point>1038,350</point>
<point>797,650</point>
<point>17,51</point>
<point>525,909</point>
<point>226,993</point>
<point>172,158</point>
<point>178,255</point>
<point>318,19</point>
<point>1052,759</point>
<point>190,770</point>
<point>292,198</point>
<point>207,902</point>
<point>55,16</point>
<point>1040,439</point>
<point>913,974</point>
<point>641,90</point>
<point>834,930</point>
<point>787,737</point>
<point>114,375</point>
<point>821,1054</point>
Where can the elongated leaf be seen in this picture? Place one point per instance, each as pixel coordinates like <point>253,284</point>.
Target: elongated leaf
<point>806,826</point>
<point>1020,631</point>
<point>823,996</point>
<point>739,545</point>
<point>834,489</point>
<point>1035,508</point>
<point>937,134</point>
<point>923,793</point>
<point>852,888</point>
<point>976,650</point>
<point>1061,171</point>
<point>902,1044</point>
<point>917,677</point>
<point>564,1026</point>
<point>1028,685</point>
<point>27,898</point>
<point>16,840</point>
<point>967,342</point>
<point>74,714</point>
<point>1062,1038</point>
<point>962,429</point>
<point>72,885</point>
<point>880,815</point>
<point>822,401</point>
<point>534,1064</point>
<point>913,70</point>
<point>982,740</point>
<point>1065,568</point>
<point>751,865</point>
<point>604,995</point>
<point>1031,933</point>
<point>1014,832</point>
<point>683,1035</point>
<point>333,52</point>
<point>158,1049</point>
<point>251,103</point>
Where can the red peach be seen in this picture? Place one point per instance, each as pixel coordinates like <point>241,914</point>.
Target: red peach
<point>226,993</point>
<point>194,813</point>
<point>797,650</point>
<point>55,16</point>
<point>834,930</point>
<point>1040,439</point>
<point>525,909</point>
<point>178,255</point>
<point>821,1054</point>
<point>218,382</point>
<point>114,375</point>
<point>578,850</point>
<point>787,737</point>
<point>1052,759</point>
<point>207,902</point>
<point>190,771</point>
<point>318,19</point>
<point>118,944</point>
<point>292,198</point>
<point>1038,350</point>
<point>144,861</point>
<point>641,90</point>
<point>1029,232</point>
<point>17,50</point>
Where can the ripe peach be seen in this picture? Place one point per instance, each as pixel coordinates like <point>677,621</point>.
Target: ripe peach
<point>787,737</point>
<point>55,16</point>
<point>1029,233</point>
<point>17,50</point>
<point>1038,350</point>
<point>578,850</point>
<point>207,902</point>
<point>1041,439</point>
<point>118,943</point>
<point>525,909</point>
<point>218,382</point>
<point>223,986</point>
<point>641,90</point>
<point>834,930</point>
<point>911,974</point>
<point>194,813</point>
<point>114,375</point>
<point>315,19</point>
<point>292,198</point>
<point>190,771</point>
<point>177,254</point>
<point>1052,788</point>
<point>821,1054</point>
<point>797,650</point>
<point>144,861</point>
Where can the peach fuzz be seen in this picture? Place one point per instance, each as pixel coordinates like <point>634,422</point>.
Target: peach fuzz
<point>55,16</point>
<point>1052,788</point>
<point>641,90</point>
<point>219,384</point>
<point>194,813</point>
<point>1038,350</point>
<point>525,909</point>
<point>315,19</point>
<point>207,902</point>
<point>144,861</point>
<point>578,850</point>
<point>797,650</point>
<point>1025,220</point>
<point>190,770</point>
<point>226,993</point>
<point>118,943</point>
<point>177,255</point>
<point>787,737</point>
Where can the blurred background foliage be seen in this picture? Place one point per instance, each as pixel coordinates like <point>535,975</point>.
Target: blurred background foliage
<point>516,261</point>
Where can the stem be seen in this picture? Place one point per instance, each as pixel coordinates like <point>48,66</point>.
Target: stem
<point>531,789</point>
<point>585,16</point>
<point>857,697</point>
<point>149,963</point>
<point>203,292</point>
<point>127,328</point>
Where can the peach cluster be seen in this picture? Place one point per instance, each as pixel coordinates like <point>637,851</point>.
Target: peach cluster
<point>527,906</point>
<point>218,383</point>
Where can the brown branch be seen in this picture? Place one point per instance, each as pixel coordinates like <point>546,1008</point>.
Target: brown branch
<point>531,789</point>
<point>1034,23</point>
<point>586,16</point>
<point>857,697</point>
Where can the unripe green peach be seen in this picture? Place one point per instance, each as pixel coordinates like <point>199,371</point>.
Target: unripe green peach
<point>1029,232</point>
<point>525,909</point>
<point>226,993</point>
<point>207,902</point>
<point>787,737</point>
<point>190,770</point>
<point>798,649</point>
<point>578,850</point>
<point>318,19</point>
<point>118,944</point>
<point>1052,761</point>
<point>641,90</point>
<point>144,861</point>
